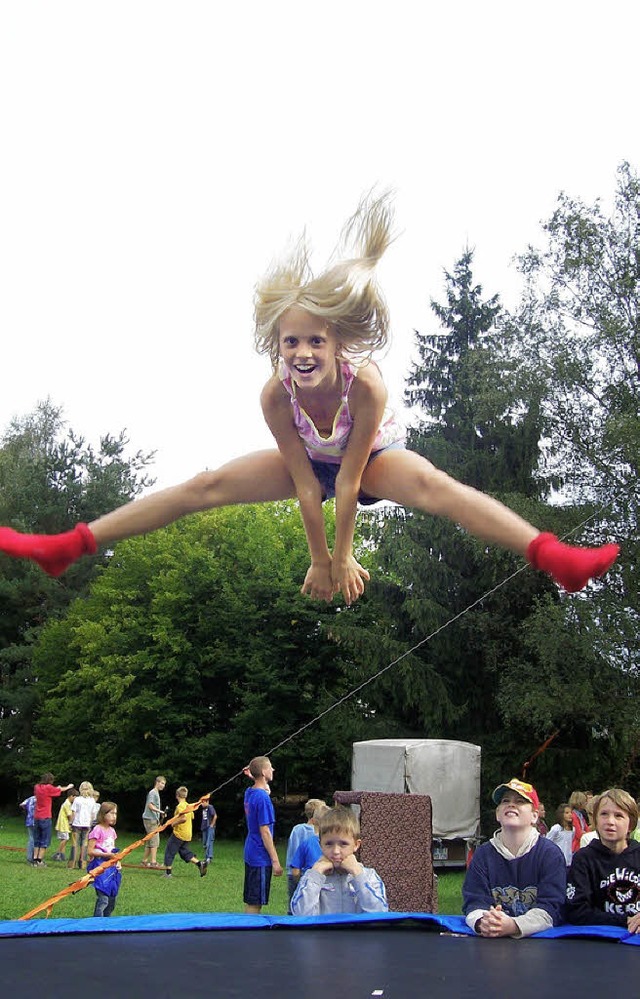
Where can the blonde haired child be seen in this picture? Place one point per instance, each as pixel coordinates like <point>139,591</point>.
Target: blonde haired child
<point>63,825</point>
<point>603,886</point>
<point>334,435</point>
<point>338,882</point>
<point>82,819</point>
<point>181,836</point>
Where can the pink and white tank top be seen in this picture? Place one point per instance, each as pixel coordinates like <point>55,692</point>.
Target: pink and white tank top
<point>332,448</point>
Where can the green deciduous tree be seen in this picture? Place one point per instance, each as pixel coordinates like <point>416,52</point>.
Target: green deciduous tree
<point>193,652</point>
<point>579,339</point>
<point>49,480</point>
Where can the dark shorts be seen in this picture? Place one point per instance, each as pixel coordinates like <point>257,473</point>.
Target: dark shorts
<point>181,847</point>
<point>257,882</point>
<point>41,833</point>
<point>326,473</point>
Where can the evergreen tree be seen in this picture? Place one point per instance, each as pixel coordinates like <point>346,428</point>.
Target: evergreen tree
<point>476,427</point>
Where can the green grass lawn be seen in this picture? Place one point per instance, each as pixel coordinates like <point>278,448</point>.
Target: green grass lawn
<point>147,891</point>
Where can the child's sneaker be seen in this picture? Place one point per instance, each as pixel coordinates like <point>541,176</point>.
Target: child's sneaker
<point>167,874</point>
<point>203,867</point>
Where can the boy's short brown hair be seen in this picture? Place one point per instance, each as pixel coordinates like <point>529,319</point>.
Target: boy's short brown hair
<point>257,765</point>
<point>182,791</point>
<point>339,820</point>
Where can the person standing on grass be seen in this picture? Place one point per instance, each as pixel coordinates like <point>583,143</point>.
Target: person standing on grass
<point>28,807</point>
<point>81,823</point>
<point>208,830</point>
<point>63,825</point>
<point>102,845</point>
<point>178,842</point>
<point>260,855</point>
<point>151,818</point>
<point>44,793</point>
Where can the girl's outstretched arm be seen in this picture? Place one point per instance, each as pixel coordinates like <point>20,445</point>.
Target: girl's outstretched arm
<point>276,408</point>
<point>367,402</point>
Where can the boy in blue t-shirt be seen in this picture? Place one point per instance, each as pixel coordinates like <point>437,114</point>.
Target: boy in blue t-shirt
<point>260,856</point>
<point>300,833</point>
<point>309,849</point>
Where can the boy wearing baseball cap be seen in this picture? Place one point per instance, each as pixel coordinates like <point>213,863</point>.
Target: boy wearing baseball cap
<point>516,882</point>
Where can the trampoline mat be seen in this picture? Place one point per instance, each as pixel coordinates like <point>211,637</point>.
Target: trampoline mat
<point>345,961</point>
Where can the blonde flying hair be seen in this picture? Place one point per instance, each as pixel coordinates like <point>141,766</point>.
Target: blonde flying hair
<point>346,294</point>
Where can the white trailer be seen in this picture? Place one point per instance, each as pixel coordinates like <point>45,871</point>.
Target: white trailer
<point>446,770</point>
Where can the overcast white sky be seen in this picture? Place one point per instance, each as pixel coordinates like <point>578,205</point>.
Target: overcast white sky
<point>156,156</point>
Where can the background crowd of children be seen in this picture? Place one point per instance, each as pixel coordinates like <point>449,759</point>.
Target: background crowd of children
<point>526,878</point>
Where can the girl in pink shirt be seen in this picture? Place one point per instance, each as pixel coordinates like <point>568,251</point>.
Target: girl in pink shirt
<point>102,845</point>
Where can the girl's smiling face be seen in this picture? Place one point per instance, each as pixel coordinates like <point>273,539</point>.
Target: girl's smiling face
<point>308,347</point>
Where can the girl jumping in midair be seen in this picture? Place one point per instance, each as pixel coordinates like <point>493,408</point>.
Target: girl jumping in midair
<point>326,406</point>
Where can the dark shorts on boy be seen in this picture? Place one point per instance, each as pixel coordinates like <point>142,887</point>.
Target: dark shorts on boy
<point>180,847</point>
<point>257,883</point>
<point>326,473</point>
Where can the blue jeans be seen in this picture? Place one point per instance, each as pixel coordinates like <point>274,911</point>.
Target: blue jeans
<point>105,904</point>
<point>208,839</point>
<point>29,844</point>
<point>41,833</point>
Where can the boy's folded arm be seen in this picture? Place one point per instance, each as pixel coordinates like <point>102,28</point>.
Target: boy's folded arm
<point>533,921</point>
<point>306,898</point>
<point>370,891</point>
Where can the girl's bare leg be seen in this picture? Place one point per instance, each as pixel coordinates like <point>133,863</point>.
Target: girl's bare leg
<point>406,478</point>
<point>261,477</point>
<point>410,480</point>
<point>256,478</point>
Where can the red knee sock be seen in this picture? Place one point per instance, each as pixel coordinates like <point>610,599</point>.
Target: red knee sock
<point>53,552</point>
<point>571,567</point>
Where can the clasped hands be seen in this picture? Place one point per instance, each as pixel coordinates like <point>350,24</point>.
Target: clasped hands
<point>325,579</point>
<point>496,923</point>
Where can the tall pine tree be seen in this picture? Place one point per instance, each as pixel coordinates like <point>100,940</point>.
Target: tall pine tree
<point>472,427</point>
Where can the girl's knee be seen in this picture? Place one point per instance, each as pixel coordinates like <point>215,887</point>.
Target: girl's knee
<point>199,492</point>
<point>433,482</point>
<point>436,489</point>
